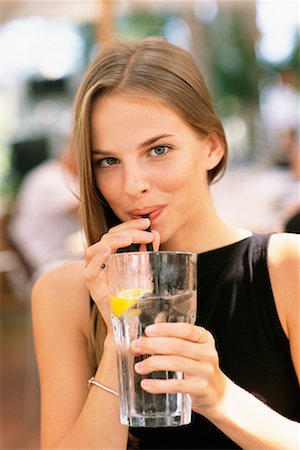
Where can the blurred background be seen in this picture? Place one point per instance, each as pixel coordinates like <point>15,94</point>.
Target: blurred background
<point>248,52</point>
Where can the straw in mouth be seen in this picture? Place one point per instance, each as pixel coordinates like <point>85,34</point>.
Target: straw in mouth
<point>151,249</point>
<point>150,245</point>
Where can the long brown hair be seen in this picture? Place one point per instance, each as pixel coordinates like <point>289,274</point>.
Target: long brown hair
<point>149,67</point>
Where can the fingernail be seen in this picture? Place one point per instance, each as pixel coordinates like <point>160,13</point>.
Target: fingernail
<point>150,329</point>
<point>139,365</point>
<point>136,344</point>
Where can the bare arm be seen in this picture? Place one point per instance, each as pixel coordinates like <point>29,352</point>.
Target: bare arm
<point>252,424</point>
<point>72,416</point>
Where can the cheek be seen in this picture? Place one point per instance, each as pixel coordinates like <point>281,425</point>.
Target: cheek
<point>108,188</point>
<point>186,178</point>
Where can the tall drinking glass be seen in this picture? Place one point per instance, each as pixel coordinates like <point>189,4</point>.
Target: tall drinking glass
<point>147,288</point>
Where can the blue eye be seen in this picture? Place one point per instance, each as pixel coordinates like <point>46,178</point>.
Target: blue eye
<point>160,150</point>
<point>107,162</point>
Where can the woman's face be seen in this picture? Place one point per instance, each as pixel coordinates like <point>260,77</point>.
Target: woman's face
<point>147,160</point>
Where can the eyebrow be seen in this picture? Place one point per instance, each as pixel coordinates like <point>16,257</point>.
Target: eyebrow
<point>146,143</point>
<point>153,139</point>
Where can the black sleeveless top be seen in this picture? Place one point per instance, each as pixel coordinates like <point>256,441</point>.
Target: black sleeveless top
<point>236,304</point>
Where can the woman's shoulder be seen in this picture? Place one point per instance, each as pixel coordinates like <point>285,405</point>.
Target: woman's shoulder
<point>284,265</point>
<point>284,250</point>
<point>62,293</point>
<point>65,277</point>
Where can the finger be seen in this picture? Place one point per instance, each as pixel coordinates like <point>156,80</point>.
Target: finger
<point>124,229</point>
<point>95,265</point>
<point>171,346</point>
<point>128,236</point>
<point>139,224</point>
<point>156,240</point>
<point>114,242</point>
<point>180,330</point>
<point>174,386</point>
<point>156,386</point>
<point>174,364</point>
<point>118,240</point>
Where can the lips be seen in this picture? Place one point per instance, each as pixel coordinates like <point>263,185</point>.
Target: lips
<point>152,211</point>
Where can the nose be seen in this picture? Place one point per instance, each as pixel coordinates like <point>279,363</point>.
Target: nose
<point>136,181</point>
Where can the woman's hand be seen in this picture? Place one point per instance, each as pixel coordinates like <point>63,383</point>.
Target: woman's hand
<point>120,236</point>
<point>185,348</point>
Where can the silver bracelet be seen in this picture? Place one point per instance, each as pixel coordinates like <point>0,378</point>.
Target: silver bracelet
<point>96,383</point>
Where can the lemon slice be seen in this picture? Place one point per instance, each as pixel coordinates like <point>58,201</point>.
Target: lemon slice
<point>125,299</point>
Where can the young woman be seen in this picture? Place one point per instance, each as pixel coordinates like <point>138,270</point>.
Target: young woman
<point>148,142</point>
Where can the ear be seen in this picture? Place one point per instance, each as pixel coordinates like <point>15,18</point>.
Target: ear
<point>215,151</point>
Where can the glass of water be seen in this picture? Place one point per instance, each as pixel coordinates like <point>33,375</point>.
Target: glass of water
<point>147,288</point>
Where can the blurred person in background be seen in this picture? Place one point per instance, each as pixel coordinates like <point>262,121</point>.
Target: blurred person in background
<point>279,106</point>
<point>280,109</point>
<point>148,141</point>
<point>45,215</point>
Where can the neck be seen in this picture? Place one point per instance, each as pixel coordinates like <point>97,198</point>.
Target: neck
<point>204,231</point>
